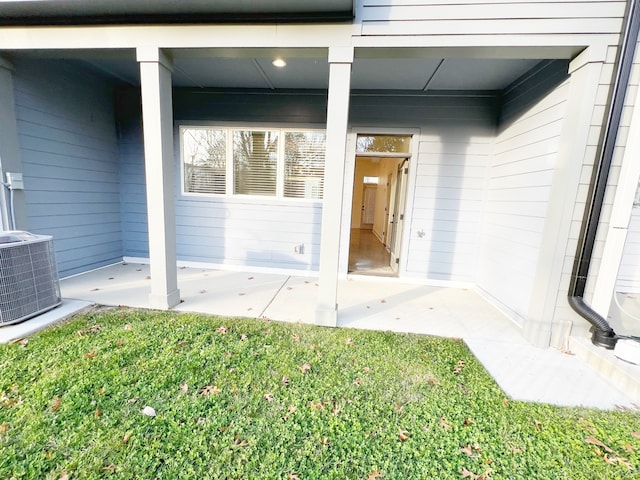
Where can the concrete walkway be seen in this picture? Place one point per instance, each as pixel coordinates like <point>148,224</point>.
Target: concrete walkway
<point>523,371</point>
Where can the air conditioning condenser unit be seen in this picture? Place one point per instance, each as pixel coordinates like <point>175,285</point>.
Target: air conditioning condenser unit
<point>28,276</point>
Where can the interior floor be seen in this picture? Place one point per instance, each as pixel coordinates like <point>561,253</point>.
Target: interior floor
<point>367,255</point>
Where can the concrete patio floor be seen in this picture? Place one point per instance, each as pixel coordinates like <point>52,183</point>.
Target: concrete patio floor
<point>524,372</point>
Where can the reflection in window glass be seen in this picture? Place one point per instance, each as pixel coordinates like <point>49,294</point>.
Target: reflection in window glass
<point>205,160</point>
<point>304,164</point>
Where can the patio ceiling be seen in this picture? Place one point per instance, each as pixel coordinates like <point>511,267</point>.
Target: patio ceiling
<point>308,69</point>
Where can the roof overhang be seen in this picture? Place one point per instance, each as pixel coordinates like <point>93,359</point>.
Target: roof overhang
<point>88,12</point>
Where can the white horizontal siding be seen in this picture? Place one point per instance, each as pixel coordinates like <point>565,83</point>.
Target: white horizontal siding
<point>449,185</point>
<point>519,186</point>
<point>66,120</point>
<point>473,17</point>
<point>629,272</point>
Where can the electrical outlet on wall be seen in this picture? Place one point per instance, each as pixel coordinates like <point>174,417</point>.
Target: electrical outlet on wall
<point>14,181</point>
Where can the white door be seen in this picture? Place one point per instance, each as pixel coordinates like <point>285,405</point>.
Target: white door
<point>369,205</point>
<point>398,213</point>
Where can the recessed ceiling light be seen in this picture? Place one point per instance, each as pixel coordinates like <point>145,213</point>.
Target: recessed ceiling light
<point>279,62</point>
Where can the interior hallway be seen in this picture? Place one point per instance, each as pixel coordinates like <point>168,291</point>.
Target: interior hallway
<point>367,255</point>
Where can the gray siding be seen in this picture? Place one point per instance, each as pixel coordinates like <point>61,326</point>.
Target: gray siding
<point>519,184</point>
<point>66,127</point>
<point>241,231</point>
<point>454,144</point>
<point>232,231</point>
<point>448,203</point>
<point>482,17</point>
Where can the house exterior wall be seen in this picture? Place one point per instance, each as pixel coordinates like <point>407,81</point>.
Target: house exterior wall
<point>232,231</point>
<point>66,127</point>
<point>455,142</point>
<point>563,312</point>
<point>481,17</point>
<point>446,176</point>
<point>520,176</point>
<point>628,280</point>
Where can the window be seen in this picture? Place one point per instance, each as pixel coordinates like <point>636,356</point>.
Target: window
<point>383,143</point>
<point>304,164</point>
<point>204,155</point>
<point>279,163</point>
<point>255,162</point>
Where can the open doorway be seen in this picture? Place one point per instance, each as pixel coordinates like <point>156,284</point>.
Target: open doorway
<point>377,211</point>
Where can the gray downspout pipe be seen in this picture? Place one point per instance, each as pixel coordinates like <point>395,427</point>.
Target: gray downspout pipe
<point>602,333</point>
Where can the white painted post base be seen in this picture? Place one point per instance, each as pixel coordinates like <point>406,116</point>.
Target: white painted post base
<point>164,302</point>
<point>327,317</point>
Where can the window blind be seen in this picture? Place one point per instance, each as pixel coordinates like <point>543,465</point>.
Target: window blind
<point>205,158</point>
<point>304,164</point>
<point>255,162</point>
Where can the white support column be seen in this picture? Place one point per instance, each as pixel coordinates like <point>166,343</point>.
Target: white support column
<point>157,119</point>
<point>340,60</point>
<point>585,73</point>
<point>620,216</point>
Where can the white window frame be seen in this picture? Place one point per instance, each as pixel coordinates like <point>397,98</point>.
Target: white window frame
<point>230,173</point>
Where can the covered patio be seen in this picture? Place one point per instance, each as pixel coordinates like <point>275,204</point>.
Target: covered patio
<point>525,372</point>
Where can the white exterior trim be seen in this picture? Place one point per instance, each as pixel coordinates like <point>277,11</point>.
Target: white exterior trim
<point>337,121</point>
<point>155,80</point>
<point>616,237</point>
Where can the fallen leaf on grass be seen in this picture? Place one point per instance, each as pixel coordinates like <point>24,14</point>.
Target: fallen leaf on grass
<point>349,342</point>
<point>296,337</point>
<point>221,330</point>
<point>471,450</point>
<point>635,434</point>
<point>126,438</point>
<point>305,368</point>
<point>293,476</point>
<point>63,476</point>
<point>90,354</point>
<point>128,326</point>
<point>374,475</point>
<point>110,468</point>
<point>459,366</point>
<point>538,424</point>
<point>55,405</point>
<point>4,427</point>
<point>97,413</point>
<point>403,435</point>
<point>468,421</point>
<point>149,411</point>
<point>317,405</point>
<point>468,474</point>
<point>210,390</point>
<point>184,387</point>
<point>92,329</point>
<point>594,441</point>
<point>237,443</point>
<point>268,397</point>
<point>357,382</point>
<point>615,460</point>
<point>444,424</point>
<point>244,337</point>
<point>285,381</point>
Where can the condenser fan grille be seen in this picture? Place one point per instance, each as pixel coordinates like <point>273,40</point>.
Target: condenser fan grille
<point>28,278</point>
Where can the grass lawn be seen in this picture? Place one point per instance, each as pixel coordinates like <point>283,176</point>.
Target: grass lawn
<point>252,399</point>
